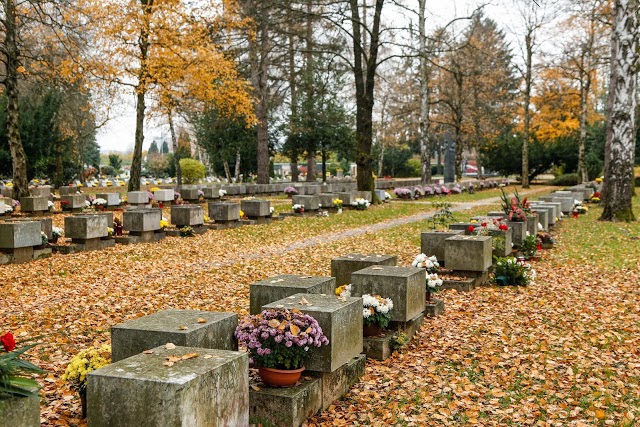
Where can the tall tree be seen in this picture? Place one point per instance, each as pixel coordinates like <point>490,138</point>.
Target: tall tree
<point>621,124</point>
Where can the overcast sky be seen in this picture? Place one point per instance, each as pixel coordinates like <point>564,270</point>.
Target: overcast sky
<point>118,134</point>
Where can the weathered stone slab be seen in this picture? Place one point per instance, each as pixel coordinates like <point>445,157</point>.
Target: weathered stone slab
<point>198,392</point>
<point>468,253</point>
<point>519,231</point>
<point>543,217</point>
<point>532,224</point>
<point>367,195</point>
<point>34,204</point>
<point>182,215</point>
<point>16,411</point>
<point>255,208</point>
<point>326,200</point>
<point>507,235</point>
<point>73,201</point>
<point>276,288</point>
<point>189,193</point>
<point>164,195</point>
<point>14,235</point>
<point>310,203</point>
<point>140,220</point>
<point>46,224</point>
<point>137,197</point>
<point>224,211</point>
<point>146,332</point>
<point>347,198</point>
<point>341,322</point>
<point>211,192</point>
<point>434,308</point>
<point>67,190</point>
<point>84,227</point>
<point>289,406</point>
<point>566,203</point>
<point>113,199</point>
<point>3,208</point>
<point>432,243</point>
<point>43,191</point>
<point>404,285</point>
<point>343,266</point>
<point>337,383</point>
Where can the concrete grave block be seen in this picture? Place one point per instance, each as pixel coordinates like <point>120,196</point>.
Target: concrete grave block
<point>432,243</point>
<point>557,208</point>
<point>189,193</point>
<point>139,220</point>
<point>468,253</point>
<point>34,204</point>
<point>347,198</point>
<point>146,332</point>
<point>404,285</point>
<point>342,267</point>
<point>224,211</point>
<point>326,200</point>
<point>23,234</point>
<point>190,215</point>
<point>543,217</point>
<point>255,208</point>
<point>43,191</point>
<point>137,197</point>
<point>532,224</point>
<point>364,195</point>
<point>337,383</point>
<point>310,203</point>
<point>2,206</point>
<point>85,227</point>
<point>46,224</point>
<point>205,391</point>
<point>279,287</point>
<point>164,195</point>
<point>18,411</point>
<point>507,235</point>
<point>73,201</point>
<point>67,190</point>
<point>113,199</point>
<point>519,231</point>
<point>288,406</point>
<point>341,322</point>
<point>566,202</point>
<point>211,192</point>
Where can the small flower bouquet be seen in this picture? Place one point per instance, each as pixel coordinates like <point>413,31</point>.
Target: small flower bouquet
<point>99,202</point>
<point>403,193</point>
<point>376,312</point>
<point>433,285</point>
<point>271,210</point>
<point>164,223</point>
<point>445,191</point>
<point>178,196</point>
<point>290,191</point>
<point>187,231</point>
<point>280,339</point>
<point>437,189</point>
<point>581,209</point>
<point>154,189</point>
<point>428,191</point>
<point>456,189</point>
<point>64,205</point>
<point>50,205</point>
<point>361,204</point>
<point>56,233</point>
<point>110,232</point>
<point>337,203</point>
<point>44,238</point>
<point>297,208</point>
<point>429,263</point>
<point>546,240</point>
<point>529,247</point>
<point>86,361</point>
<point>343,291</point>
<point>14,372</point>
<point>508,271</point>
<point>471,188</point>
<point>596,197</point>
<point>200,194</point>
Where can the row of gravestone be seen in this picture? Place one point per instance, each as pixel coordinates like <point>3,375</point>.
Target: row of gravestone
<point>214,388</point>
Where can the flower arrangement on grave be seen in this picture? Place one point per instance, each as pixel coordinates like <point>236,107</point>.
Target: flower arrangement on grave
<point>430,263</point>
<point>546,240</point>
<point>110,232</point>
<point>154,189</point>
<point>243,215</point>
<point>15,373</point>
<point>271,210</point>
<point>599,180</point>
<point>64,205</point>
<point>581,209</point>
<point>515,209</point>
<point>434,283</point>
<point>343,290</point>
<point>99,202</point>
<point>44,238</point>
<point>290,191</point>
<point>187,231</point>
<point>437,189</point>
<point>402,193</point>
<point>337,203</point>
<point>361,204</point>
<point>428,191</point>
<point>200,194</point>
<point>206,218</point>
<point>445,191</point>
<point>471,188</point>
<point>442,217</point>
<point>485,228</point>
<point>150,195</point>
<point>508,271</point>
<point>87,204</point>
<point>280,340</point>
<point>178,196</point>
<point>376,313</point>
<point>164,223</point>
<point>595,197</point>
<point>86,361</point>
<point>456,189</point>
<point>56,233</point>
<point>529,247</point>
<point>50,205</point>
<point>298,208</point>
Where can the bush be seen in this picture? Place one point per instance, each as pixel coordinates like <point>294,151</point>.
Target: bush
<point>192,170</point>
<point>566,180</point>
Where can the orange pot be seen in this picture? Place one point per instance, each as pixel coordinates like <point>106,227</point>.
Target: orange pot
<point>280,377</point>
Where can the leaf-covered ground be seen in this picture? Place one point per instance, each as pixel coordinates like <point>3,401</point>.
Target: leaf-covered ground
<point>564,351</point>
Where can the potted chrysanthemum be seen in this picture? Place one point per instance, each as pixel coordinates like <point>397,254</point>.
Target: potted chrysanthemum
<point>376,314</point>
<point>86,361</point>
<point>279,342</point>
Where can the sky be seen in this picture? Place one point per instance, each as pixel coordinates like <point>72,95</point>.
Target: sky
<point>118,133</point>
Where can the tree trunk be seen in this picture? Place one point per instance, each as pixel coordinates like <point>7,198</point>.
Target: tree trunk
<point>311,167</point>
<point>459,77</point>
<point>141,90</point>
<point>324,166</point>
<point>18,156</point>
<point>259,65</point>
<point>295,172</point>
<point>620,145</point>
<point>364,69</point>
<point>381,159</point>
<point>176,151</point>
<point>425,147</point>
<point>227,172</point>
<point>527,111</point>
<point>585,83</point>
<point>237,166</point>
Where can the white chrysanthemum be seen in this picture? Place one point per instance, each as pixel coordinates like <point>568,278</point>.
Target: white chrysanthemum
<point>418,260</point>
<point>366,312</point>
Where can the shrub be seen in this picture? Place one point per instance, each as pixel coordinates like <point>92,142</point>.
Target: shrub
<point>566,180</point>
<point>192,170</point>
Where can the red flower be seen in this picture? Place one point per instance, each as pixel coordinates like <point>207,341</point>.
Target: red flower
<point>470,229</point>
<point>8,342</point>
<point>503,227</point>
<point>484,224</point>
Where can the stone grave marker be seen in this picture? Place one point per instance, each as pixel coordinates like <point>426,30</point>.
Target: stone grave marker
<point>342,267</point>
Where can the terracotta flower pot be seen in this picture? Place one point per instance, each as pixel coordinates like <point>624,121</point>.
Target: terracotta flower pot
<point>279,377</point>
<point>371,330</point>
